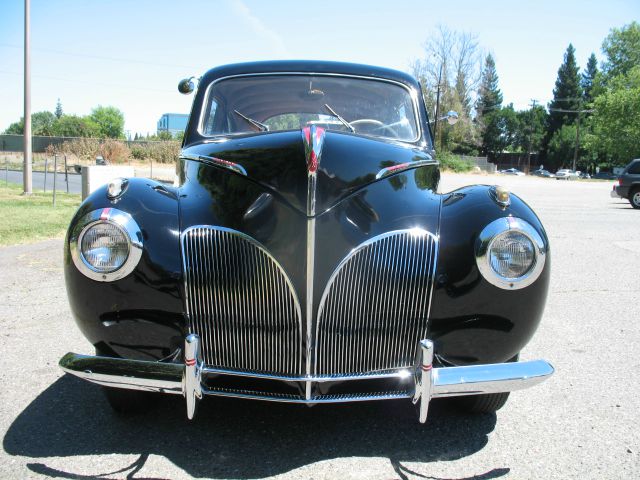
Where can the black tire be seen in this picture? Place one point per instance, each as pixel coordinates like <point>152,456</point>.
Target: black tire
<point>486,403</point>
<point>129,402</point>
<point>125,401</point>
<point>634,197</point>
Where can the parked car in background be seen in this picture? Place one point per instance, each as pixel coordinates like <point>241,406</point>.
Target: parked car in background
<point>305,255</point>
<point>543,173</point>
<point>628,185</point>
<point>605,176</point>
<point>566,174</point>
<point>584,175</point>
<point>512,171</point>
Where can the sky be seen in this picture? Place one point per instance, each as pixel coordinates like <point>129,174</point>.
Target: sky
<point>131,54</point>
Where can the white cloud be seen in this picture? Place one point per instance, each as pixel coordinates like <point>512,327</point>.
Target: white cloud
<point>272,37</point>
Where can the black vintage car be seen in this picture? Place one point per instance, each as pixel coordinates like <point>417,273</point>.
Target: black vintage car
<point>305,256</point>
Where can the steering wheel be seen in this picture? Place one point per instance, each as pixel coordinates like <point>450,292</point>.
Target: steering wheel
<point>375,123</point>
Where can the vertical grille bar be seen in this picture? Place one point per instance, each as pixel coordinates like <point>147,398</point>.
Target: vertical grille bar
<point>241,303</point>
<point>375,308</point>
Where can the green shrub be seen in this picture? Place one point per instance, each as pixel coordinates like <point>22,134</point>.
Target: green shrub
<point>449,161</point>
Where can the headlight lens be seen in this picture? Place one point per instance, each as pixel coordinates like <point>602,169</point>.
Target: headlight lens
<point>511,253</point>
<point>105,247</point>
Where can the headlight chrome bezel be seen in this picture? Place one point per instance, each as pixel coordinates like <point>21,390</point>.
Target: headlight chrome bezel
<point>491,233</point>
<point>125,223</point>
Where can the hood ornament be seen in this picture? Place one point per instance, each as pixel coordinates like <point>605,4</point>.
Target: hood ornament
<point>313,137</point>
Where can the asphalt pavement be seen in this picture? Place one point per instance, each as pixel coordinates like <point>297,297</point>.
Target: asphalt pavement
<point>38,180</point>
<point>583,423</point>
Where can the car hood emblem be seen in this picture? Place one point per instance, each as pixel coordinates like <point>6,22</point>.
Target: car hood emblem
<point>313,137</point>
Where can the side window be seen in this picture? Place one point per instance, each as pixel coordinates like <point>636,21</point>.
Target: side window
<point>208,125</point>
<point>634,169</point>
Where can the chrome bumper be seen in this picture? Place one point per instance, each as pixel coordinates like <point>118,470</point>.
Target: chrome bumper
<point>186,379</point>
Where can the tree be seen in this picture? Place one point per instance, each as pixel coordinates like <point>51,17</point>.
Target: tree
<point>42,124</point>
<point>531,130</point>
<point>451,55</point>
<point>589,76</point>
<point>16,128</point>
<point>109,121</point>
<point>74,126</point>
<point>58,111</point>
<point>489,95</point>
<point>561,146</point>
<point>488,108</point>
<point>567,94</point>
<point>622,48</point>
<point>616,121</point>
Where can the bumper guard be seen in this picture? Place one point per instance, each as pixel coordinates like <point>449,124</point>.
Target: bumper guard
<point>186,379</point>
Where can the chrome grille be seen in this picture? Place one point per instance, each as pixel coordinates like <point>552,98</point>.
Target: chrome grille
<point>375,308</point>
<point>240,302</point>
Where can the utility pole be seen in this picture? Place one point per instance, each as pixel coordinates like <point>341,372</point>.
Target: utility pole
<point>577,146</point>
<point>435,125</point>
<point>533,106</point>
<point>27,177</point>
<point>575,152</point>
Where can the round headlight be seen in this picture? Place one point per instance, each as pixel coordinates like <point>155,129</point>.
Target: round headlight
<point>105,247</point>
<point>106,244</point>
<point>510,253</point>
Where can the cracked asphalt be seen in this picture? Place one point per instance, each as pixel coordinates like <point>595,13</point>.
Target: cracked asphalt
<point>582,423</point>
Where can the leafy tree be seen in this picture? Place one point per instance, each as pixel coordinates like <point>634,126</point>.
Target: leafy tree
<point>567,94</point>
<point>109,121</point>
<point>16,128</point>
<point>58,111</point>
<point>616,121</point>
<point>622,48</point>
<point>589,76</point>
<point>531,129</point>
<point>42,124</point>
<point>74,126</point>
<point>562,145</point>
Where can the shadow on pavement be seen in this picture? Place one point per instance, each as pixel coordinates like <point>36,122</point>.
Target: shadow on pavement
<point>235,438</point>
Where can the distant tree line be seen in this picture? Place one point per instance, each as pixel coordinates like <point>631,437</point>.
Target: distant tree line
<point>597,109</point>
<point>102,122</point>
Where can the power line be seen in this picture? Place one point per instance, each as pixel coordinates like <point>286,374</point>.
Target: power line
<point>90,82</point>
<point>100,57</point>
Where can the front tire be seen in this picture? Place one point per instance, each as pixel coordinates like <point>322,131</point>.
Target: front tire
<point>129,402</point>
<point>634,198</point>
<point>125,401</point>
<point>485,403</point>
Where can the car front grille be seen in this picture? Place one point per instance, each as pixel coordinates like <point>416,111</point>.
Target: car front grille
<point>372,314</point>
<point>241,303</point>
<point>375,308</point>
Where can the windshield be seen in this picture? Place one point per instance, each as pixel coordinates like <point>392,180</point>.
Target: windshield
<point>286,102</point>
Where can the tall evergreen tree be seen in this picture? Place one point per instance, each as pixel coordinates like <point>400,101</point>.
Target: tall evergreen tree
<point>58,111</point>
<point>588,78</point>
<point>567,94</point>
<point>488,110</point>
<point>489,95</point>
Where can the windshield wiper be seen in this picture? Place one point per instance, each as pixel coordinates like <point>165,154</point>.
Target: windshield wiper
<point>260,126</point>
<point>344,122</point>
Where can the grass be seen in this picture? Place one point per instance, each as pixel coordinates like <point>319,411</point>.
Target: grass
<point>28,219</point>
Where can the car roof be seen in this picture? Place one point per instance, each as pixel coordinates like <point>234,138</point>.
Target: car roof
<point>309,66</point>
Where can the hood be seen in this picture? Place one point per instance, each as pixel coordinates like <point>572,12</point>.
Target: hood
<point>311,169</point>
